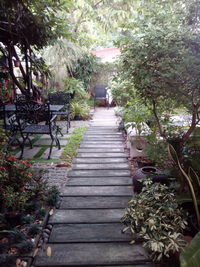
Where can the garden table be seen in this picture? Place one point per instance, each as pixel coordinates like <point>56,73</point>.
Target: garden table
<point>53,108</point>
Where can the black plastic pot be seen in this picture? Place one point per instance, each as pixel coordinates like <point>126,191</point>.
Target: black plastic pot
<point>141,163</point>
<point>149,171</point>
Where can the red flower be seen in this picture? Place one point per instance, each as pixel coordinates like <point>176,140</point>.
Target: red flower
<point>30,174</point>
<point>12,158</point>
<point>23,188</point>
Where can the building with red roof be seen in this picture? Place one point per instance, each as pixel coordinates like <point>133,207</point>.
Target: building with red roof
<point>107,54</point>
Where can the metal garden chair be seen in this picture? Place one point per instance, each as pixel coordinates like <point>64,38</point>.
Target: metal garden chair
<point>11,128</point>
<point>62,98</point>
<point>34,118</point>
<point>100,93</point>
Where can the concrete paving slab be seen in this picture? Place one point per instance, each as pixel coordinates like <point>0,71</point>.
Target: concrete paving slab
<point>100,150</point>
<point>28,152</point>
<point>101,132</point>
<point>103,142</point>
<point>91,254</point>
<point>99,173</point>
<point>99,160</point>
<point>97,191</point>
<point>100,181</point>
<point>102,166</point>
<point>55,154</point>
<point>85,233</point>
<point>45,142</point>
<point>102,155</point>
<point>60,137</point>
<point>104,135</point>
<point>101,138</point>
<point>108,146</point>
<point>87,216</point>
<point>91,202</point>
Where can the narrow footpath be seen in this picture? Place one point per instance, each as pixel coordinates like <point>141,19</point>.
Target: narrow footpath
<point>86,227</point>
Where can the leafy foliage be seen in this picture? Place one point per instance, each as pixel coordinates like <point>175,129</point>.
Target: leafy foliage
<point>84,68</point>
<point>160,59</point>
<point>191,255</point>
<point>154,215</point>
<point>26,26</point>
<point>191,179</point>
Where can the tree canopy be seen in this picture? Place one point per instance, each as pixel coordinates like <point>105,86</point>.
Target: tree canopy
<point>25,26</point>
<point>161,57</point>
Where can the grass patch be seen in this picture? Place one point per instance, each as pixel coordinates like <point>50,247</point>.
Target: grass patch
<point>40,152</point>
<point>70,150</point>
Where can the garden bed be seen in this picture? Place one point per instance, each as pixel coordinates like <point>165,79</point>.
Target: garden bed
<point>26,201</point>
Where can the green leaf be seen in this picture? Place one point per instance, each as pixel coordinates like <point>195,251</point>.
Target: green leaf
<point>190,257</point>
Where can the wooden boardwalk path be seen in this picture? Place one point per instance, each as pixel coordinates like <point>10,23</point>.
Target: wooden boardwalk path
<point>86,227</point>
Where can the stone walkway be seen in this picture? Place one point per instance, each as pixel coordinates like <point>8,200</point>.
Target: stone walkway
<point>86,227</point>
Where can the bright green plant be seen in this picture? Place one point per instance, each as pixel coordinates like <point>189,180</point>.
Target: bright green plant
<point>191,255</point>
<point>76,89</point>
<point>122,91</point>
<point>154,216</point>
<point>80,111</point>
<point>70,151</point>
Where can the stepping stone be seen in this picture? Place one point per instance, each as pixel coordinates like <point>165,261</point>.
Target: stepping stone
<point>101,138</point>
<point>97,181</point>
<point>113,143</point>
<point>100,150</point>
<point>55,154</point>
<point>87,216</point>
<point>102,155</point>
<point>99,160</point>
<point>97,191</point>
<point>46,136</point>
<point>100,166</point>
<point>91,254</point>
<point>103,133</point>
<point>45,142</point>
<point>85,233</point>
<point>29,153</point>
<point>108,146</point>
<point>90,202</point>
<point>99,173</point>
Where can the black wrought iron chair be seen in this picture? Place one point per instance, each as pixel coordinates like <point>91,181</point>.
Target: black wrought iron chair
<point>34,118</point>
<point>100,93</point>
<point>61,98</point>
<point>11,128</point>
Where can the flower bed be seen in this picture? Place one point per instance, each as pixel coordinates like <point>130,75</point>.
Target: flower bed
<point>24,198</point>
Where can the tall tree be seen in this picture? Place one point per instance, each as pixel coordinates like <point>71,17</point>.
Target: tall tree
<point>161,59</point>
<point>96,21</point>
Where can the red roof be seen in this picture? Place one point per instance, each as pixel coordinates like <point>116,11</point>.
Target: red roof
<point>107,54</point>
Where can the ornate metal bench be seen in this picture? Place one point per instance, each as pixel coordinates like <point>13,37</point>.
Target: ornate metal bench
<point>34,118</point>
<point>61,98</point>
